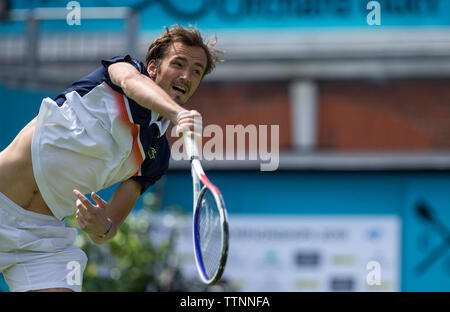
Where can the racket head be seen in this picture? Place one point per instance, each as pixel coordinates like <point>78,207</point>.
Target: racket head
<point>210,235</point>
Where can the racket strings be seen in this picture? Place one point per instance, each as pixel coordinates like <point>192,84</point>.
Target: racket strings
<point>210,234</point>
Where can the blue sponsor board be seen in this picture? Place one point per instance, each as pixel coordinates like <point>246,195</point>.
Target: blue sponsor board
<point>259,15</point>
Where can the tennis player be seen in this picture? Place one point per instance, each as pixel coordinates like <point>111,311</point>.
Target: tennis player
<point>108,127</point>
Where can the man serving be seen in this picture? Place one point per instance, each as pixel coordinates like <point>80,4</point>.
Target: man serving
<point>96,133</point>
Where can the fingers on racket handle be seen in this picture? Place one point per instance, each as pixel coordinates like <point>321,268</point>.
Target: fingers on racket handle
<point>191,147</point>
<point>189,143</point>
<point>182,113</point>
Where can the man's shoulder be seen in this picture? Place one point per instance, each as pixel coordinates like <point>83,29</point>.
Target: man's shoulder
<point>125,58</point>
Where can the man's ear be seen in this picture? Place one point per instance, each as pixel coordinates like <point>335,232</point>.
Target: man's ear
<point>152,69</point>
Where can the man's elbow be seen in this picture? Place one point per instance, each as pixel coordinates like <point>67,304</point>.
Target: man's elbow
<point>123,75</point>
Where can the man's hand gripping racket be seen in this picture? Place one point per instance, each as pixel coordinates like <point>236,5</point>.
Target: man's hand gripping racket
<point>210,221</point>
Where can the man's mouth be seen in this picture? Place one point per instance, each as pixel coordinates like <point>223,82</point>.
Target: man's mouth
<point>180,88</point>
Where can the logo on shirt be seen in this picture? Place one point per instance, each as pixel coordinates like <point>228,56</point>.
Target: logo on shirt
<point>152,153</point>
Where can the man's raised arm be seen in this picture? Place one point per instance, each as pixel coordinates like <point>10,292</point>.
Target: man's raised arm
<point>143,90</point>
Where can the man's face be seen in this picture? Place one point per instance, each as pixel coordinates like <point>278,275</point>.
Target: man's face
<point>180,71</point>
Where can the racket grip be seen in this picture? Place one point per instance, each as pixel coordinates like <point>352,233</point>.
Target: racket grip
<point>189,143</point>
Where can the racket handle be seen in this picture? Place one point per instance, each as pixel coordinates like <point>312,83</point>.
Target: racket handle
<point>189,143</point>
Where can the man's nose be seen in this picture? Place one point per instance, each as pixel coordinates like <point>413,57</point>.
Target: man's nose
<point>185,74</point>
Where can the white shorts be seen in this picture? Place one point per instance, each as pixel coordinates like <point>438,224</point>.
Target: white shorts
<point>37,251</point>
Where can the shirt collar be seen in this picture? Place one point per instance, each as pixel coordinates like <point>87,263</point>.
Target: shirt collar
<point>162,124</point>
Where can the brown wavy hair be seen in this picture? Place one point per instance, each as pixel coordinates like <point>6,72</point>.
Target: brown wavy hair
<point>188,36</point>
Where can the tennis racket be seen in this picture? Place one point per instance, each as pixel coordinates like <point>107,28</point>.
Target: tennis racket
<point>210,221</point>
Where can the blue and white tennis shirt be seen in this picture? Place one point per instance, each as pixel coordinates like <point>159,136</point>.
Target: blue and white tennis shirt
<point>92,136</point>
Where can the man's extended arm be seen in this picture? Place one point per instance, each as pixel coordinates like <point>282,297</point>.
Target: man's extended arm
<point>148,94</point>
<point>143,90</point>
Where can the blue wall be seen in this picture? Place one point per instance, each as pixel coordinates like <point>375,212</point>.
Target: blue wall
<point>18,107</point>
<point>257,15</point>
<point>287,192</point>
<point>359,193</point>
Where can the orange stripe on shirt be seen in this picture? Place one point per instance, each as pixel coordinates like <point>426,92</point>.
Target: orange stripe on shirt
<point>136,151</point>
